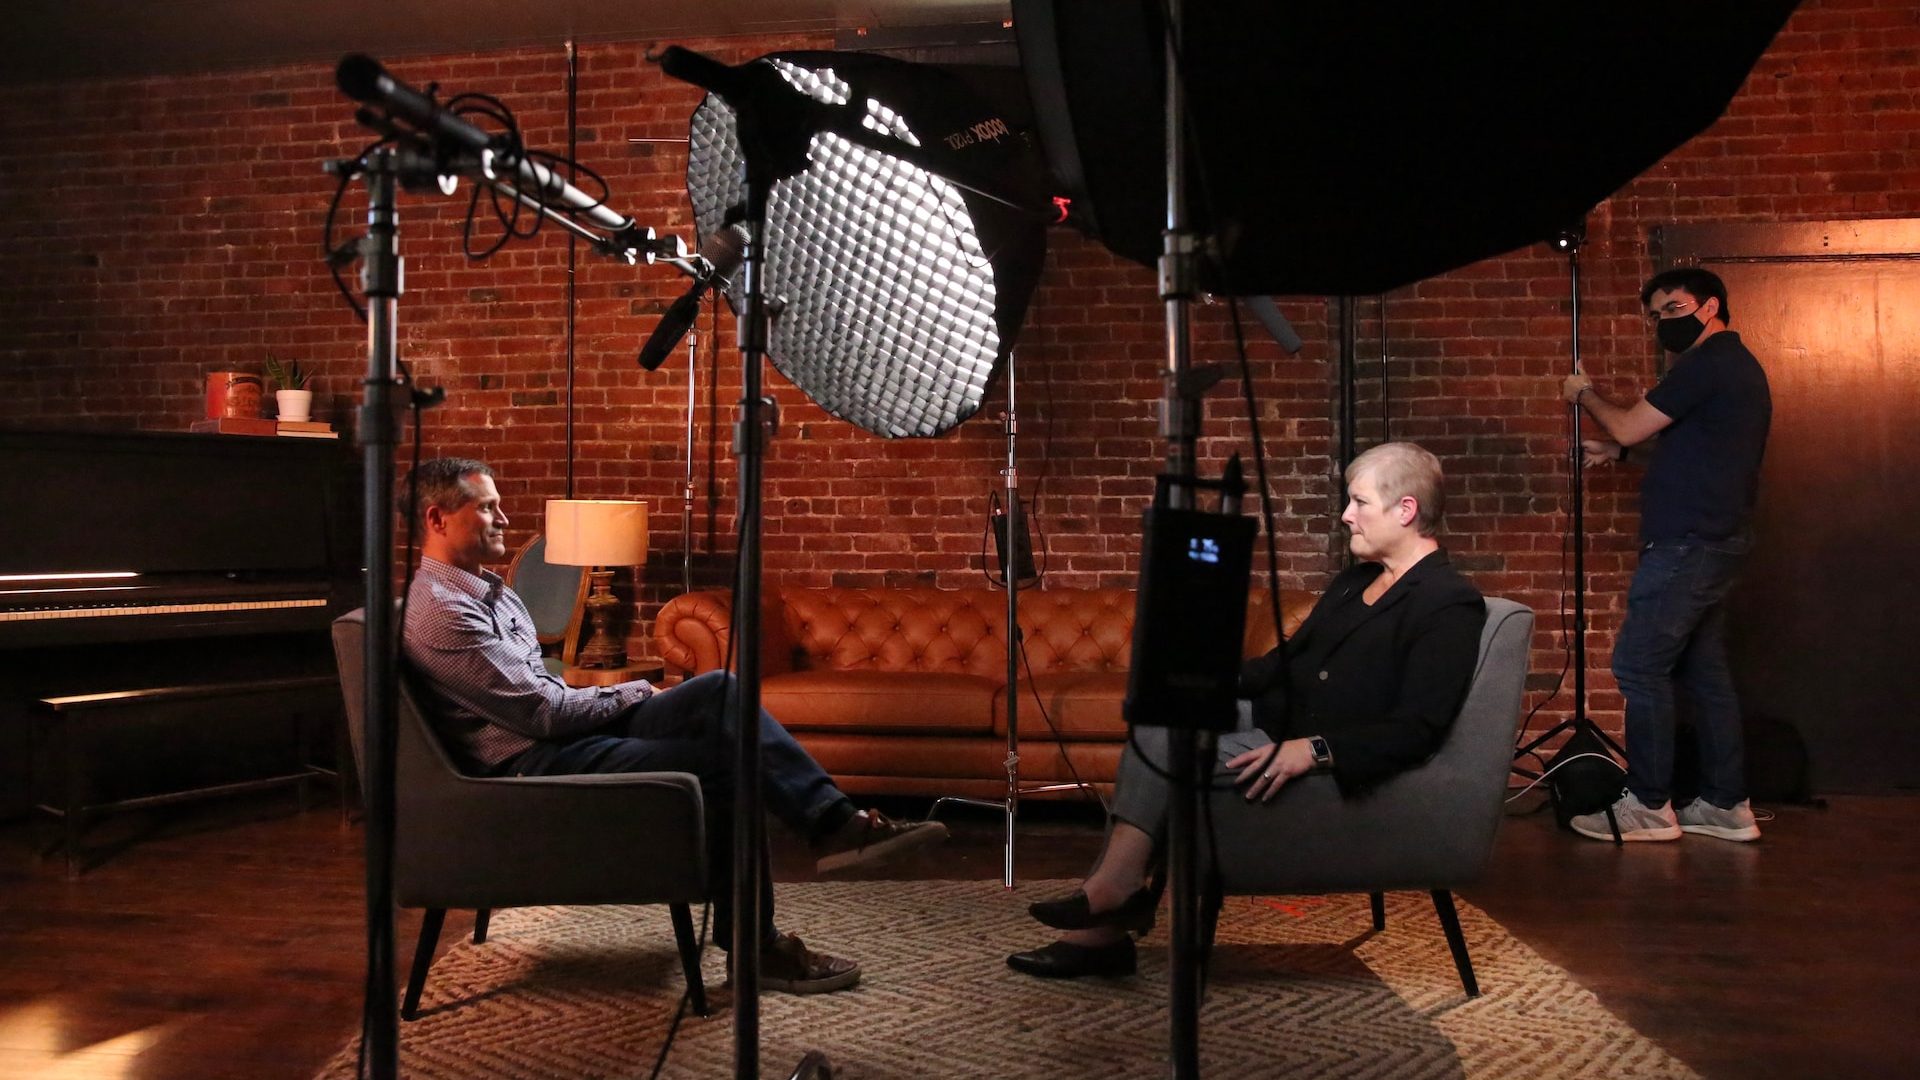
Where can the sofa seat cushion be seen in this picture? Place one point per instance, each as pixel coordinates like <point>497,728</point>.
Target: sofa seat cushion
<point>1083,705</point>
<point>881,702</point>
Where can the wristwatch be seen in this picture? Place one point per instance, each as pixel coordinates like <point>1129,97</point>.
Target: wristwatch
<point>1322,753</point>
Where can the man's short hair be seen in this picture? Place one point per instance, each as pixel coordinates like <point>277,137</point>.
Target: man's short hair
<point>1401,469</point>
<point>1702,285</point>
<point>442,482</point>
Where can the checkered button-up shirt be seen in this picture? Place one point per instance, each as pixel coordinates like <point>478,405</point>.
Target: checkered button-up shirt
<point>472,643</point>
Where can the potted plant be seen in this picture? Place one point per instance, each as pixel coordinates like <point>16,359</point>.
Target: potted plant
<point>290,392</point>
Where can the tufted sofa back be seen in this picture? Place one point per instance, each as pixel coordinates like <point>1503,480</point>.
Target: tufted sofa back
<point>947,631</point>
<point>953,631</point>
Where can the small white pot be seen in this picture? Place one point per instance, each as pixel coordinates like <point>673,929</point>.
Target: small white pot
<point>294,404</point>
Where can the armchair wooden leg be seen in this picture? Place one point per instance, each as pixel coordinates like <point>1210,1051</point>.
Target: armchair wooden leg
<point>480,918</point>
<point>1456,941</point>
<point>422,959</point>
<point>1378,901</point>
<point>689,957</point>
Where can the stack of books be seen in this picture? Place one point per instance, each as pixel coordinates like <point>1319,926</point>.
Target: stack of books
<point>235,425</point>
<point>306,429</point>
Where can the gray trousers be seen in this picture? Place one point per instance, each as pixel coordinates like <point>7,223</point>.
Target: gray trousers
<point>1140,794</point>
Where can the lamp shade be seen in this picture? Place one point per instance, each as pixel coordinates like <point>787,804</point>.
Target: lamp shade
<point>596,532</point>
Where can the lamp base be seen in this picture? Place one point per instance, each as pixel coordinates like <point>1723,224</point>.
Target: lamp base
<point>603,649</point>
<point>641,668</point>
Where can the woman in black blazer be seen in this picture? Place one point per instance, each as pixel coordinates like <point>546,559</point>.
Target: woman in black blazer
<point>1366,687</point>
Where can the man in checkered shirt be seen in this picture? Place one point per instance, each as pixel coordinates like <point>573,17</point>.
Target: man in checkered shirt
<point>471,643</point>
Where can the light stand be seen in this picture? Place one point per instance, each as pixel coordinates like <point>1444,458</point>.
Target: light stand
<point>1570,241</point>
<point>1180,426</point>
<point>382,278</point>
<point>768,147</point>
<point>431,145</point>
<point>819,125</point>
<point>1015,526</point>
<point>686,483</point>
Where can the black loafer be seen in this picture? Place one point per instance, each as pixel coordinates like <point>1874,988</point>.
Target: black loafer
<point>1064,960</point>
<point>1135,913</point>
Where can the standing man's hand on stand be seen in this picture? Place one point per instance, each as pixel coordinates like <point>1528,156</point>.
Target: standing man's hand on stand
<point>1601,452</point>
<point>1573,386</point>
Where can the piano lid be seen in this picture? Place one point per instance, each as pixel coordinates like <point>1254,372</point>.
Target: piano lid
<point>163,502</point>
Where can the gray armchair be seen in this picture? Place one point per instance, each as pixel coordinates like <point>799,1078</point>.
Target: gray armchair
<point>1429,828</point>
<point>485,843</point>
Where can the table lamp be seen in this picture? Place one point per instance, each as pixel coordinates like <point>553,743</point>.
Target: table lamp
<point>598,534</point>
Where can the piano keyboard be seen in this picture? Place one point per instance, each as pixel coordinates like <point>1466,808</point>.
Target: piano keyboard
<point>30,615</point>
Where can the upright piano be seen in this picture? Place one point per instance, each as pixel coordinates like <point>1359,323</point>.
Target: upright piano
<point>140,560</point>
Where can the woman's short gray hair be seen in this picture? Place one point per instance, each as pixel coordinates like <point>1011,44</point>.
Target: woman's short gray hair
<point>1400,469</point>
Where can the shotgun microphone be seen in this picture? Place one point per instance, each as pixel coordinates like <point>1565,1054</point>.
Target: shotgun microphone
<point>719,256</point>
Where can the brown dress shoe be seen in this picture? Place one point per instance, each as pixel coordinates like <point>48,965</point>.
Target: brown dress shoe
<point>871,836</point>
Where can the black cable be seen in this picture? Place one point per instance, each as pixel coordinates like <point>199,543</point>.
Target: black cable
<point>726,704</point>
<point>1567,633</point>
<point>1020,642</point>
<point>1044,472</point>
<point>1259,471</point>
<point>327,248</point>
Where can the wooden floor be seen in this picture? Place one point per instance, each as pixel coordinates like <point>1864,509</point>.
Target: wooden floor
<point>226,942</point>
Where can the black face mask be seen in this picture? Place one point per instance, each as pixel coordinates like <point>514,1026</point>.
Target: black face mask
<point>1677,333</point>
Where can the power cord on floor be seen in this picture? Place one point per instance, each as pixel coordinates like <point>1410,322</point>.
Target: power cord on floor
<point>1541,779</point>
<point>1060,744</point>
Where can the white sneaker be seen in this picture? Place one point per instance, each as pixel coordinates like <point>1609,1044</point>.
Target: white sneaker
<point>1734,823</point>
<point>1636,820</point>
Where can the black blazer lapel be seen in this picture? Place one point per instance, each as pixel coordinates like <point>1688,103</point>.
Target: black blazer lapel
<point>1396,595</point>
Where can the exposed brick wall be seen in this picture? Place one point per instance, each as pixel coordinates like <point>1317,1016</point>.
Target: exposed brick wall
<point>158,229</point>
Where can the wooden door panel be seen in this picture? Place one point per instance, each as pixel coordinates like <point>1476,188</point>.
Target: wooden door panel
<point>1826,618</point>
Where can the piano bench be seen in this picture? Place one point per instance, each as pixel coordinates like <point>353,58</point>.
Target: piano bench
<point>131,749</point>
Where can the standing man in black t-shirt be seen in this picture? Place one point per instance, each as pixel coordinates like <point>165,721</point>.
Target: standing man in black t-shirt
<point>1707,422</point>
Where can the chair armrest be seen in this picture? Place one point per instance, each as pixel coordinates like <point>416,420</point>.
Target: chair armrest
<point>580,839</point>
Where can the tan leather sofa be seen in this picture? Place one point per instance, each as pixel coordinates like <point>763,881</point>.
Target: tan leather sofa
<point>903,691</point>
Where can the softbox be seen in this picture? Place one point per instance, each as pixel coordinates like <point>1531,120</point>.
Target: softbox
<point>1356,147</point>
<point>900,266</point>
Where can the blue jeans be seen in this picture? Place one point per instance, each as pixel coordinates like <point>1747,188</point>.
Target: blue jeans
<point>688,728</point>
<point>1676,636</point>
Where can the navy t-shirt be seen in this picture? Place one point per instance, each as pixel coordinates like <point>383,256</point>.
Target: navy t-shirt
<point>1705,471</point>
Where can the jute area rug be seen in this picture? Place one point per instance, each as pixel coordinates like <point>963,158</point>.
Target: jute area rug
<point>1301,986</point>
